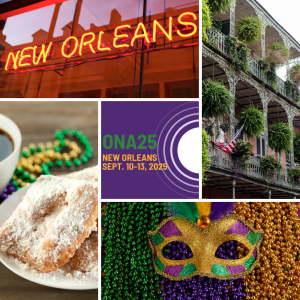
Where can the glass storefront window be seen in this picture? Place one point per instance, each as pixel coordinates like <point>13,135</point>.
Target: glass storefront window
<point>72,49</point>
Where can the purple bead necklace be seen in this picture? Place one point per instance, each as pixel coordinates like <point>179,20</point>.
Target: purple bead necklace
<point>200,288</point>
<point>9,190</point>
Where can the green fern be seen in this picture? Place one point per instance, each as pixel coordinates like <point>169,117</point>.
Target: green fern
<point>249,29</point>
<point>219,6</point>
<point>280,137</point>
<point>253,121</point>
<point>206,20</point>
<point>216,99</point>
<point>205,157</point>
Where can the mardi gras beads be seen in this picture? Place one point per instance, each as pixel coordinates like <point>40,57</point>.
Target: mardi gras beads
<point>200,288</point>
<point>276,275</point>
<point>128,268</point>
<point>37,160</point>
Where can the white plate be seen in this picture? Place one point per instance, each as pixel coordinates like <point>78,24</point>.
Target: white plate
<point>56,279</point>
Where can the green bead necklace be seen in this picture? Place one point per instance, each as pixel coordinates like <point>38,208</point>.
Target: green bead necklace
<point>37,160</point>
<point>127,270</point>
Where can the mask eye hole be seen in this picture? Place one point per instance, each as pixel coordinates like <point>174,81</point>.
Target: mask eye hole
<point>177,251</point>
<point>232,250</point>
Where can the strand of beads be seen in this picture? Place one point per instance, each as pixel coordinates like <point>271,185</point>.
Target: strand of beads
<point>9,190</point>
<point>275,277</point>
<point>198,287</point>
<point>38,160</point>
<point>128,268</point>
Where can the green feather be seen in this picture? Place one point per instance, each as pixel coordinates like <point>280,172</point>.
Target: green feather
<point>184,209</point>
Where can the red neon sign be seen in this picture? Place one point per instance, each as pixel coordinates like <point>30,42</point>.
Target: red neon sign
<point>28,55</point>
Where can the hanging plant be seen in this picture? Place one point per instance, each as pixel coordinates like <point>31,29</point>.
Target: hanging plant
<point>239,55</point>
<point>206,20</point>
<point>270,163</point>
<point>264,66</point>
<point>294,173</point>
<point>244,150</point>
<point>224,127</point>
<point>297,147</point>
<point>294,73</point>
<point>205,157</point>
<point>269,71</point>
<point>278,54</point>
<point>219,6</point>
<point>289,88</point>
<point>249,29</point>
<point>216,99</point>
<point>209,130</point>
<point>253,120</point>
<point>296,96</point>
<point>280,137</point>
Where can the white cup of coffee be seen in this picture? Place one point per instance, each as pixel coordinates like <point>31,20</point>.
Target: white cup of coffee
<point>9,154</point>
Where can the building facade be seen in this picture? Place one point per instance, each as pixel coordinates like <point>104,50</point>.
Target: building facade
<point>99,49</point>
<point>227,179</point>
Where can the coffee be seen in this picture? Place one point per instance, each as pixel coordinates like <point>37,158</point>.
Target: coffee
<point>6,145</point>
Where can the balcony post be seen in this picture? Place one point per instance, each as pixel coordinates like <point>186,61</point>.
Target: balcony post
<point>270,192</point>
<point>265,111</point>
<point>263,42</point>
<point>232,19</point>
<point>290,122</point>
<point>233,188</point>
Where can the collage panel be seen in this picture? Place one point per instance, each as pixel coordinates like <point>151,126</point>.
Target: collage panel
<point>150,150</point>
<point>200,250</point>
<point>49,199</point>
<point>250,102</point>
<point>101,49</point>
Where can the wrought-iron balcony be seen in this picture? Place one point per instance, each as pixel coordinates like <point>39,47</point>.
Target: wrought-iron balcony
<point>227,162</point>
<point>218,40</point>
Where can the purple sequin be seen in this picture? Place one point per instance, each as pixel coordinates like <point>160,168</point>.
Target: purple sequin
<point>173,270</point>
<point>169,229</point>
<point>235,270</point>
<point>238,228</point>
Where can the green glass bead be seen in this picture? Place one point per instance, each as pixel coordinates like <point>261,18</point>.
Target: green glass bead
<point>19,171</point>
<point>32,179</point>
<point>56,149</point>
<point>73,131</point>
<point>25,153</point>
<point>62,143</point>
<point>17,188</point>
<point>50,164</point>
<point>59,162</point>
<point>83,158</point>
<point>68,163</point>
<point>15,183</point>
<point>88,154</point>
<point>66,131</point>
<point>40,149</point>
<point>32,150</point>
<point>26,175</point>
<point>77,161</point>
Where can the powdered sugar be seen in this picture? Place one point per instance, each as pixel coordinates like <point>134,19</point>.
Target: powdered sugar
<point>51,222</point>
<point>88,174</point>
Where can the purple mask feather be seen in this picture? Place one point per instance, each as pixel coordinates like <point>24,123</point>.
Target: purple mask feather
<point>219,209</point>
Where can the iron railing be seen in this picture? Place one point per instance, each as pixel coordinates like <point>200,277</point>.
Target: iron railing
<point>251,168</point>
<point>218,40</point>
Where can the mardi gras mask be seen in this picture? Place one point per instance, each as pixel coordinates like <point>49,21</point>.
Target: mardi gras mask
<point>204,244</point>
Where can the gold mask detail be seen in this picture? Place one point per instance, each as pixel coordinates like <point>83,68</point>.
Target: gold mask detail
<point>204,244</point>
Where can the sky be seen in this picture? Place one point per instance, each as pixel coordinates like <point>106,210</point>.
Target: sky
<point>286,13</point>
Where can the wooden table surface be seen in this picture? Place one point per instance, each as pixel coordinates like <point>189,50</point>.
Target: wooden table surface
<point>38,121</point>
